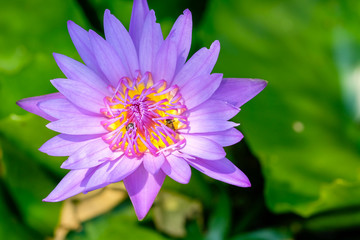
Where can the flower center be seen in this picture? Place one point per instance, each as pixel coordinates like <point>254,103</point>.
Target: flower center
<point>144,117</point>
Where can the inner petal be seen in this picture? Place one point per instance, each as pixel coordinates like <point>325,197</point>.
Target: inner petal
<point>144,117</point>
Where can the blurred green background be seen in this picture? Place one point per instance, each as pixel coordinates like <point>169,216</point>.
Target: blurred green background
<point>301,149</point>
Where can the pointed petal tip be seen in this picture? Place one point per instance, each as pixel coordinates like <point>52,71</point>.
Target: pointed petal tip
<point>107,16</point>
<point>19,103</point>
<point>245,182</point>
<point>65,165</point>
<point>50,199</point>
<point>58,57</point>
<point>48,126</point>
<point>140,214</point>
<point>24,104</point>
<point>72,26</point>
<point>70,23</point>
<point>187,12</point>
<point>259,84</point>
<point>47,200</point>
<point>260,81</point>
<point>41,149</point>
<point>215,44</point>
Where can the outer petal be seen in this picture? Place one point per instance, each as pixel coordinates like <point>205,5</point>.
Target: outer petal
<point>68,186</point>
<point>65,145</point>
<point>202,147</point>
<point>201,63</point>
<point>177,168</point>
<point>150,42</point>
<point>213,109</point>
<point>182,30</point>
<point>80,38</point>
<point>224,138</point>
<point>165,61</point>
<point>80,94</point>
<point>31,104</point>
<point>142,188</point>
<point>119,38</point>
<point>92,154</point>
<point>77,71</point>
<point>138,15</point>
<point>78,126</point>
<point>60,108</point>
<point>107,59</point>
<point>199,89</point>
<point>238,91</point>
<point>96,177</point>
<point>153,163</point>
<point>222,170</point>
<point>124,167</point>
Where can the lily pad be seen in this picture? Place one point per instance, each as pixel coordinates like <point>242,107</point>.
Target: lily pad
<point>298,127</point>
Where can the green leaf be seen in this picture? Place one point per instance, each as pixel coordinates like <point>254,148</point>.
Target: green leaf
<point>220,220</point>
<point>28,133</point>
<point>28,184</point>
<point>29,36</point>
<point>264,234</point>
<point>11,226</point>
<point>298,127</point>
<point>349,218</point>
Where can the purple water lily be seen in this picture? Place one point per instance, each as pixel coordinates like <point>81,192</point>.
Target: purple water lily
<point>137,112</point>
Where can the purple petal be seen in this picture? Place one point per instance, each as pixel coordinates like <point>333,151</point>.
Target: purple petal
<point>78,126</point>
<point>153,163</point>
<point>139,12</point>
<point>199,89</point>
<point>201,63</point>
<point>107,59</point>
<point>68,186</point>
<point>210,125</point>
<point>165,61</point>
<point>142,188</point>
<point>150,42</point>
<point>96,177</point>
<point>124,167</point>
<point>80,38</point>
<point>222,170</point>
<point>119,38</point>
<point>31,104</point>
<point>224,138</point>
<point>90,155</point>
<point>60,108</point>
<point>213,109</point>
<point>80,94</point>
<point>238,91</point>
<point>65,145</point>
<point>202,147</point>
<point>177,168</point>
<point>182,36</point>
<point>77,71</point>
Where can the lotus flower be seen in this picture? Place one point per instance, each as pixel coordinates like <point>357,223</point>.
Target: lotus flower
<point>136,111</point>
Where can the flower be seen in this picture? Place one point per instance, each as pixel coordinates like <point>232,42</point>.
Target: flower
<point>136,111</point>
